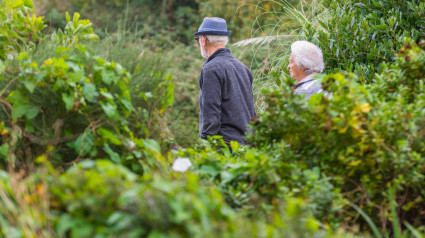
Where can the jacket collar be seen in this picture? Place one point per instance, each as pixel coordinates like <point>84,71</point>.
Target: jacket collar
<point>307,78</point>
<point>219,52</point>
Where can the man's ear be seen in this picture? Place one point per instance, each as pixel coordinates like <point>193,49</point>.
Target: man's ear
<point>203,40</point>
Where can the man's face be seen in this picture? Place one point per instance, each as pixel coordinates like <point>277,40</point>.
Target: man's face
<point>296,72</point>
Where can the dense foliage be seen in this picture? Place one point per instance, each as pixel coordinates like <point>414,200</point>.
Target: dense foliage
<point>163,21</point>
<point>87,150</point>
<point>371,137</point>
<point>360,35</point>
<point>76,104</point>
<point>16,29</point>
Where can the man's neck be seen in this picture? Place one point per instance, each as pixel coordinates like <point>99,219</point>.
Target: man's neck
<point>212,49</point>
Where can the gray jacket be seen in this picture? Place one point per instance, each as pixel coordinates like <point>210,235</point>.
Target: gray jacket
<point>226,99</point>
<point>308,86</point>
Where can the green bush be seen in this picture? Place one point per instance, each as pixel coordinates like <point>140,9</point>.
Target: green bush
<point>17,29</point>
<point>360,35</point>
<point>155,206</point>
<point>76,105</point>
<point>171,20</point>
<point>256,180</point>
<point>102,199</point>
<point>371,137</point>
<point>67,101</point>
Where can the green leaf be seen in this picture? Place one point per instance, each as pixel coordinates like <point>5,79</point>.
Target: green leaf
<point>68,17</point>
<point>127,104</point>
<point>58,85</point>
<point>32,113</point>
<point>113,155</point>
<point>19,110</point>
<point>82,230</point>
<point>30,85</point>
<point>89,91</point>
<point>83,144</point>
<point>107,77</point>
<point>65,223</point>
<point>16,4</point>
<point>109,109</point>
<point>68,100</point>
<point>109,136</point>
<point>29,3</point>
<point>152,145</point>
<point>76,17</point>
<point>2,67</point>
<point>4,149</point>
<point>62,49</point>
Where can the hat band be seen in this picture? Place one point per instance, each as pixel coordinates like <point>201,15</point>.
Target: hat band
<point>210,29</point>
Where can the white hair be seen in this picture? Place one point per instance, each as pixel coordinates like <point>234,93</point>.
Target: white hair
<point>308,56</point>
<point>217,39</point>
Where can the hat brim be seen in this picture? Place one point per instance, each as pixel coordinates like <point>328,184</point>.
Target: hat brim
<point>213,33</point>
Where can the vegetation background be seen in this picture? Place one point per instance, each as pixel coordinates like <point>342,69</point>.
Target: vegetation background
<point>95,112</point>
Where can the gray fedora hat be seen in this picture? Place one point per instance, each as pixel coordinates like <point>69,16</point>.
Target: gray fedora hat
<point>213,26</point>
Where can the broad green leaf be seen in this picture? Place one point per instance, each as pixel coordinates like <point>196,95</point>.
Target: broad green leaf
<point>83,144</point>
<point>19,110</point>
<point>30,85</point>
<point>127,104</point>
<point>65,223</point>
<point>68,100</point>
<point>109,109</point>
<point>62,49</point>
<point>82,230</point>
<point>16,4</point>
<point>112,154</point>
<point>4,150</point>
<point>89,91</point>
<point>106,94</point>
<point>58,85</point>
<point>107,77</point>
<point>29,3</point>
<point>32,113</point>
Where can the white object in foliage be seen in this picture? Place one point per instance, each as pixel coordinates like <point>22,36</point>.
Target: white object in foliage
<point>181,165</point>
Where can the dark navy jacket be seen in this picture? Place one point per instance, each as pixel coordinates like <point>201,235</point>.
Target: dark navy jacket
<point>226,99</point>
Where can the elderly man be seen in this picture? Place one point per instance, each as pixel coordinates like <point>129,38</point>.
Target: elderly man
<point>305,62</point>
<point>226,99</point>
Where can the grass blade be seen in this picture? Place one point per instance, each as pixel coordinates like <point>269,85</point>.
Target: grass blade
<point>414,231</point>
<point>368,220</point>
<point>393,205</point>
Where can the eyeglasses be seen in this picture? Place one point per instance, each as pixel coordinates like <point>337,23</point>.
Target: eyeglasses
<point>197,38</point>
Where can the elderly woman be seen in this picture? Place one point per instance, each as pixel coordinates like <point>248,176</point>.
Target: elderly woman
<point>305,62</point>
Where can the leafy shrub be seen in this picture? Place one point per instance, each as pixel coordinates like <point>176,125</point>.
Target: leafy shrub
<point>153,18</point>
<point>18,29</point>
<point>107,200</point>
<point>369,136</point>
<point>361,34</point>
<point>76,106</point>
<point>257,180</point>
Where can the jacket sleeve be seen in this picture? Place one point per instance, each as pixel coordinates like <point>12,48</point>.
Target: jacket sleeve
<point>210,108</point>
